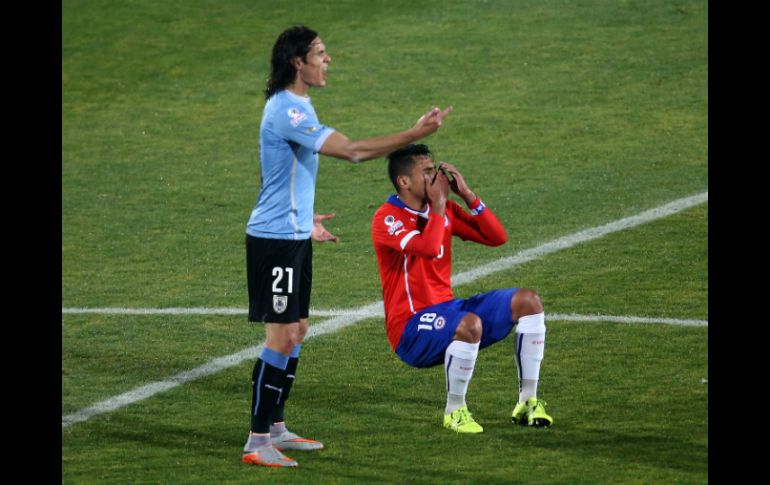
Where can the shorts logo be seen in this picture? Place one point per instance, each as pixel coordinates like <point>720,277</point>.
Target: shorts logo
<point>438,324</point>
<point>296,117</point>
<point>280,303</point>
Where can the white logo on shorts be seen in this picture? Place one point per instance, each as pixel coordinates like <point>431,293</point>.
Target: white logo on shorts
<point>438,324</point>
<point>280,303</point>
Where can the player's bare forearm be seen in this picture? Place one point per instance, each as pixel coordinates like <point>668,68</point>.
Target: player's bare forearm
<point>371,148</point>
<point>340,146</point>
<point>437,190</point>
<point>457,182</point>
<point>469,198</point>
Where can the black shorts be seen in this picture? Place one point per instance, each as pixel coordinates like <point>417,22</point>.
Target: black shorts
<point>279,274</point>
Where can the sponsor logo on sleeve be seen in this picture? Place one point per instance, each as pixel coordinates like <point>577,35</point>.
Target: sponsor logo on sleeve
<point>394,227</point>
<point>296,117</point>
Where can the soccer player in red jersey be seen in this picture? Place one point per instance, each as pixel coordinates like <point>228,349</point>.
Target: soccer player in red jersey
<point>425,324</point>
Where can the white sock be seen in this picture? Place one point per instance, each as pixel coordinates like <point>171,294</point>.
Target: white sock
<point>257,440</point>
<point>276,429</point>
<point>459,361</point>
<point>530,346</point>
<point>527,389</point>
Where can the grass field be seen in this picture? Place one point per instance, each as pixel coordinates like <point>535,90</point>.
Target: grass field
<point>568,115</point>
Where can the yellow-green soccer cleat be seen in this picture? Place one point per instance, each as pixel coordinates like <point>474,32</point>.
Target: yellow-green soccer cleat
<point>531,413</point>
<point>460,420</point>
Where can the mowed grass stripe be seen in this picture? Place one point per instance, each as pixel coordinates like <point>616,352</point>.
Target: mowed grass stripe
<point>366,311</point>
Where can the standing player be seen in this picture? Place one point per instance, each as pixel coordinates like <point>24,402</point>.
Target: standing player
<point>278,233</point>
<point>425,324</point>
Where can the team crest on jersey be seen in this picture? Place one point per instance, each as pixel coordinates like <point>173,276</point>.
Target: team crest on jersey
<point>389,220</point>
<point>438,324</point>
<point>280,302</point>
<point>296,117</point>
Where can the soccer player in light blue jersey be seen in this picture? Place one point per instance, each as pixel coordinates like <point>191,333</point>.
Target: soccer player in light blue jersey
<point>283,222</point>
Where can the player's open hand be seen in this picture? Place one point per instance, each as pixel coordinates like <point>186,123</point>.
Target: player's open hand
<point>437,190</point>
<point>319,232</point>
<point>457,182</point>
<point>431,121</point>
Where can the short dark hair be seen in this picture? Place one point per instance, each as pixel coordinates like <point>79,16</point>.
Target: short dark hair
<point>293,42</point>
<point>401,161</point>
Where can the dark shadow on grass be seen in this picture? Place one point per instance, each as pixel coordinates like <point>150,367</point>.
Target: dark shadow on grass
<point>643,447</point>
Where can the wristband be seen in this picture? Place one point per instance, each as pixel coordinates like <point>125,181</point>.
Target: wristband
<point>479,207</point>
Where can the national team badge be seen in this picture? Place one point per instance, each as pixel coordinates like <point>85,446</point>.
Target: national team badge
<point>439,323</point>
<point>280,303</point>
<point>389,220</point>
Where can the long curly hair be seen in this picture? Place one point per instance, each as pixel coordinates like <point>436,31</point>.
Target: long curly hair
<point>293,42</point>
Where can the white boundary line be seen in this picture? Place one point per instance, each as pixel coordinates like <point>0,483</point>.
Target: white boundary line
<point>569,317</point>
<point>559,317</point>
<point>156,311</point>
<point>337,322</point>
<point>186,311</point>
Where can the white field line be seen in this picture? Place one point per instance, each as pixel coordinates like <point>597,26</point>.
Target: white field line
<point>156,311</point>
<point>212,367</point>
<point>560,317</point>
<point>377,312</point>
<point>187,311</point>
<point>579,237</point>
<point>337,322</point>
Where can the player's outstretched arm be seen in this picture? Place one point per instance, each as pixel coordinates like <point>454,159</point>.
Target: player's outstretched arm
<point>356,151</point>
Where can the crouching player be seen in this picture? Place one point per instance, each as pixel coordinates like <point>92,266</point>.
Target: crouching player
<point>425,324</point>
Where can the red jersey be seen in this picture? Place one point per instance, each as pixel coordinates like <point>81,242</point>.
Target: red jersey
<point>414,254</point>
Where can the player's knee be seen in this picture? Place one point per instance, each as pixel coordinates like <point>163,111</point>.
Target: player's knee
<point>525,302</point>
<point>284,338</point>
<point>469,329</point>
<point>303,326</point>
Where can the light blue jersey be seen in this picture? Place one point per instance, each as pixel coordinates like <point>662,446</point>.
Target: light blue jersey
<point>289,140</point>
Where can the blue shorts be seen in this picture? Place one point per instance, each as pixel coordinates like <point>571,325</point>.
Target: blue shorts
<point>430,331</point>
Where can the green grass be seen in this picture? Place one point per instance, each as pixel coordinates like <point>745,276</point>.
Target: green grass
<point>567,115</point>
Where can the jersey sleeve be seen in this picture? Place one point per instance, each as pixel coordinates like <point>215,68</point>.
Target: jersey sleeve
<point>388,230</point>
<point>481,225</point>
<point>295,123</point>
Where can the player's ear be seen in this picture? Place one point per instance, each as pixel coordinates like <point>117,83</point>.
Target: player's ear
<point>402,181</point>
<point>296,61</point>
